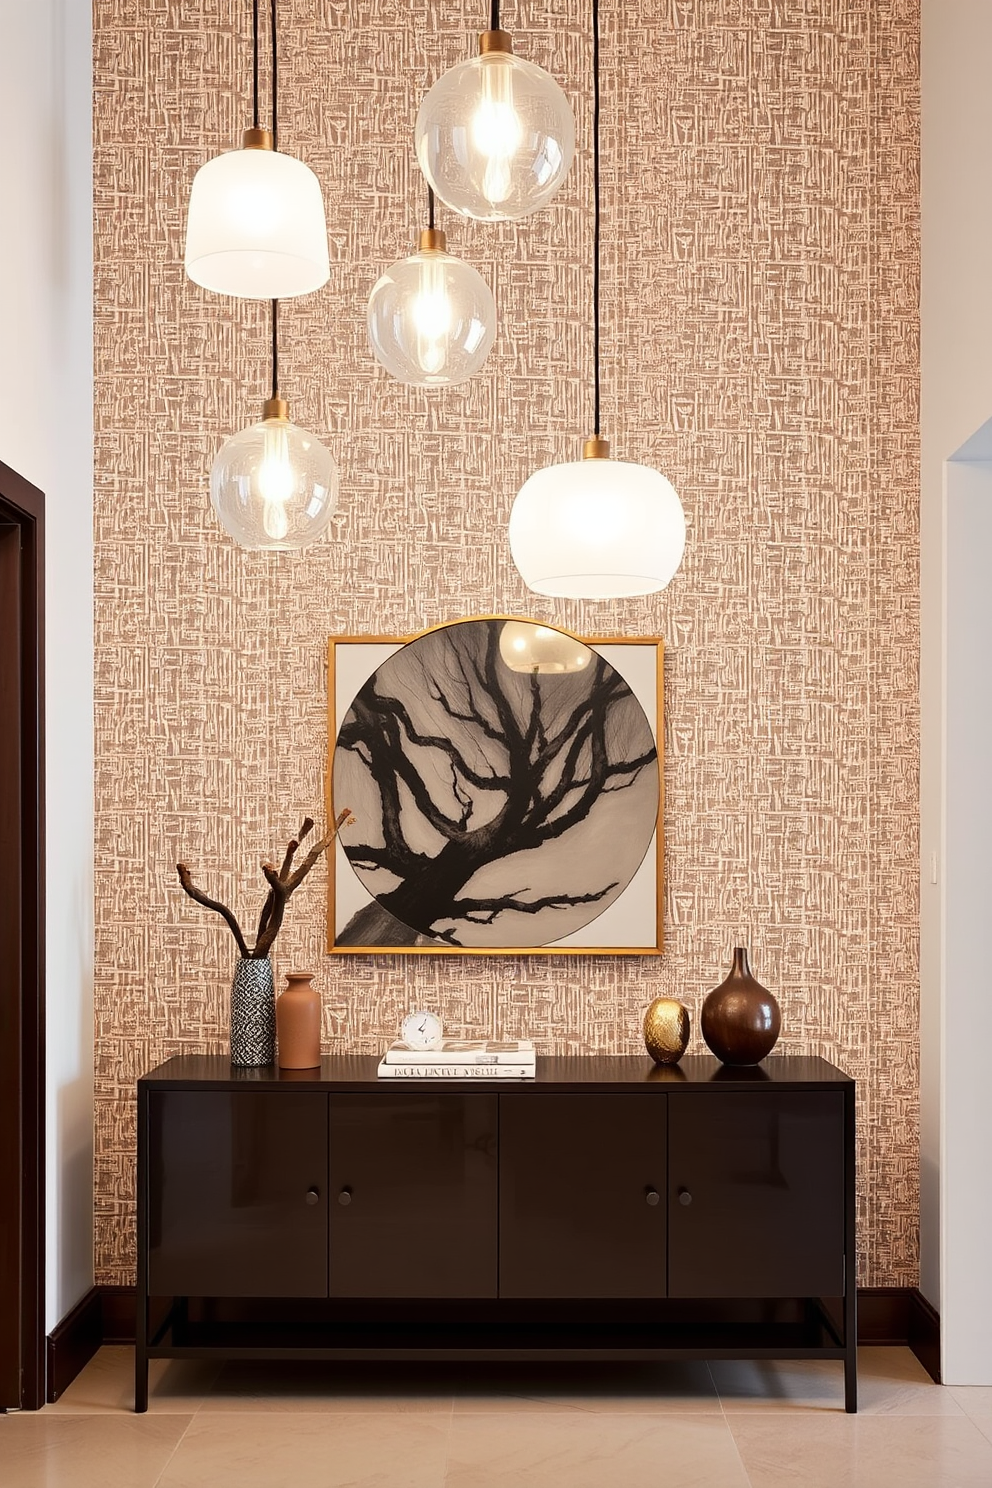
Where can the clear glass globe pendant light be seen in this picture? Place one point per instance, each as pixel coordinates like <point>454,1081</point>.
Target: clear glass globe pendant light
<point>431,317</point>
<point>274,486</point>
<point>495,135</point>
<point>256,226</point>
<point>597,528</point>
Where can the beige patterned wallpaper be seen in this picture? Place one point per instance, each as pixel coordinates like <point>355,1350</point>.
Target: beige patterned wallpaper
<point>760,347</point>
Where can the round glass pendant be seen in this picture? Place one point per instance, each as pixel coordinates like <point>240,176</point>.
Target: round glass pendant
<point>256,227</point>
<point>597,529</point>
<point>495,135</point>
<point>431,317</point>
<point>274,485</point>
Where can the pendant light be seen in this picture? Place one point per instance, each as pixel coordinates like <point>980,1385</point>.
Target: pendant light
<point>256,225</point>
<point>431,317</point>
<point>597,528</point>
<point>540,649</point>
<point>273,485</point>
<point>495,135</point>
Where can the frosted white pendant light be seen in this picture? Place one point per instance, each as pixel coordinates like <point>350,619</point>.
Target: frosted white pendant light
<point>274,485</point>
<point>525,646</point>
<point>256,227</point>
<point>431,317</point>
<point>495,135</point>
<point>597,528</point>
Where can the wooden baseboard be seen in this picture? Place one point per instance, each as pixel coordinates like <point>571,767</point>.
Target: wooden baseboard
<point>73,1342</point>
<point>886,1315</point>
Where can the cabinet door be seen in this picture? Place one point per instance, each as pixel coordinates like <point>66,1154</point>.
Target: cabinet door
<point>237,1194</point>
<point>756,1194</point>
<point>413,1195</point>
<point>582,1195</point>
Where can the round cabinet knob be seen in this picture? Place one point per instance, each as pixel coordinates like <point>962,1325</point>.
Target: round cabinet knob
<point>313,1196</point>
<point>652,1196</point>
<point>344,1197</point>
<point>685,1197</point>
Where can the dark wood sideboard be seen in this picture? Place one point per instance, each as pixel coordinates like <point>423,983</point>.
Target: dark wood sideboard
<point>607,1209</point>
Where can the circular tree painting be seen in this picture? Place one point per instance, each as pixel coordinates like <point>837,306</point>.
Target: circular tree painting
<point>505,794</point>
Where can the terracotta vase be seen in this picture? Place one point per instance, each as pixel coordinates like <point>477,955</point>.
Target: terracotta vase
<point>740,1019</point>
<point>666,1030</point>
<point>298,1023</point>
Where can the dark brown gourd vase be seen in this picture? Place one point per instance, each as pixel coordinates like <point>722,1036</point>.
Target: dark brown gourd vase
<point>740,1019</point>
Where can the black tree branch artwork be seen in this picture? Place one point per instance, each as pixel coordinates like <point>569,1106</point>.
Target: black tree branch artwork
<point>499,807</point>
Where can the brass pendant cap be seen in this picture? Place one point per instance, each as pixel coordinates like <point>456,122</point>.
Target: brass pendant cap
<point>257,139</point>
<point>432,240</point>
<point>495,41</point>
<point>276,408</point>
<point>596,448</point>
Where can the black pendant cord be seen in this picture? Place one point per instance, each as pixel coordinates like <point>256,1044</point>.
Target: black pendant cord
<point>254,64</point>
<point>596,215</point>
<point>275,80</point>
<point>494,16</point>
<point>275,348</point>
<point>430,207</point>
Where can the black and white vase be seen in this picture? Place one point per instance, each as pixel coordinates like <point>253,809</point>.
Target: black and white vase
<point>253,1013</point>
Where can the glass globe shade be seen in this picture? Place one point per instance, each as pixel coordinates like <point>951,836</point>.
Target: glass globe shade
<point>495,137</point>
<point>597,529</point>
<point>526,647</point>
<point>256,226</point>
<point>431,318</point>
<point>274,486</point>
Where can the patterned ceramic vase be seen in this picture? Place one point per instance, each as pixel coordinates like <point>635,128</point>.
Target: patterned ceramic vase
<point>253,1013</point>
<point>740,1019</point>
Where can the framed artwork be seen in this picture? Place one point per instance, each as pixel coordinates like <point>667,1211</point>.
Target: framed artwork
<point>505,779</point>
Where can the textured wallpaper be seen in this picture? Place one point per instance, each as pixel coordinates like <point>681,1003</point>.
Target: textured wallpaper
<point>760,347</point>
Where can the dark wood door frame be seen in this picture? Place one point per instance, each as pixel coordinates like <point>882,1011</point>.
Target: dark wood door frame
<point>22,944</point>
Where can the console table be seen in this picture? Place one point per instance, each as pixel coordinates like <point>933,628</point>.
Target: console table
<point>607,1209</point>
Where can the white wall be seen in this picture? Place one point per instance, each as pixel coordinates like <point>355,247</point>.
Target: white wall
<point>967,1021</point>
<point>956,402</point>
<point>46,422</point>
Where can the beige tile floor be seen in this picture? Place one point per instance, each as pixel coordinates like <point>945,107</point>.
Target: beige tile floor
<point>726,1425</point>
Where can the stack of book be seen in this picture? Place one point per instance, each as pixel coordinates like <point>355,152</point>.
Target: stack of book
<point>460,1059</point>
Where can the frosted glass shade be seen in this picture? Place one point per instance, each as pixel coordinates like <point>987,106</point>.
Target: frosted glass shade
<point>274,486</point>
<point>597,529</point>
<point>495,137</point>
<point>256,226</point>
<point>540,649</point>
<point>431,319</point>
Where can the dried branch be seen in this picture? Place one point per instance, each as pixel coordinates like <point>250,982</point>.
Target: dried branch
<point>221,909</point>
<point>281,883</point>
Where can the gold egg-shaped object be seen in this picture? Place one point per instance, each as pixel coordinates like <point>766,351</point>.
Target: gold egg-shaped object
<point>666,1030</point>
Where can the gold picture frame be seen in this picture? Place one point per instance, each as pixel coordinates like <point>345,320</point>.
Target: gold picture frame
<point>633,922</point>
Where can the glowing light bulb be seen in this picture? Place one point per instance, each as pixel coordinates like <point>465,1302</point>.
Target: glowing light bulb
<point>432,314</point>
<point>276,479</point>
<point>497,132</point>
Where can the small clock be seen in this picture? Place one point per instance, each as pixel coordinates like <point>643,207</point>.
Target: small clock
<point>421,1030</point>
